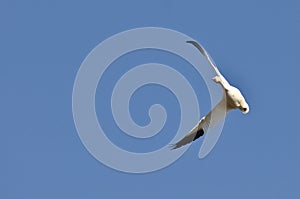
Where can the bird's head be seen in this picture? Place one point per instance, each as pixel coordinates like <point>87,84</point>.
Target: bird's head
<point>244,107</point>
<point>238,100</point>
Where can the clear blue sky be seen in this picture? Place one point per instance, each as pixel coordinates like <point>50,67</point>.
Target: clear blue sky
<point>256,45</point>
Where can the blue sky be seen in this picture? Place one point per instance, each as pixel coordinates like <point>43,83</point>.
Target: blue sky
<point>256,46</point>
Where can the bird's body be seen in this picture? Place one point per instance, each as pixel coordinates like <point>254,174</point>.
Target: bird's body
<point>232,99</point>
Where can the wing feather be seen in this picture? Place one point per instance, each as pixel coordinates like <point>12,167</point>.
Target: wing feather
<point>207,122</point>
<point>224,82</point>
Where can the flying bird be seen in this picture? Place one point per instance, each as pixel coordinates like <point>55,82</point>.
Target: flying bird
<point>232,99</point>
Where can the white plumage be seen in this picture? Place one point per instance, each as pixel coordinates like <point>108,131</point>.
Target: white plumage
<point>231,99</point>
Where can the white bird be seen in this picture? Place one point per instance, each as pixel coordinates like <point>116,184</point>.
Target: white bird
<point>231,99</point>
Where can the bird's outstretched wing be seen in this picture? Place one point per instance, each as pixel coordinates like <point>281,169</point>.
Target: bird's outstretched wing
<point>207,122</point>
<point>224,82</point>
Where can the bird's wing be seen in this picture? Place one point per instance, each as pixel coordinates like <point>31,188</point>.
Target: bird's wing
<point>224,82</point>
<point>207,122</point>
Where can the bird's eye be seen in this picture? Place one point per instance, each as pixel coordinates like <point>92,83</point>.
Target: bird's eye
<point>245,109</point>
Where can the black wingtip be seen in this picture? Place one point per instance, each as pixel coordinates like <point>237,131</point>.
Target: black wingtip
<point>190,42</point>
<point>199,133</point>
<point>188,139</point>
<point>194,43</point>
